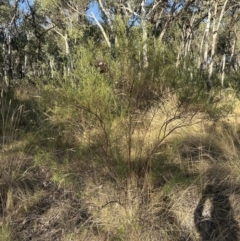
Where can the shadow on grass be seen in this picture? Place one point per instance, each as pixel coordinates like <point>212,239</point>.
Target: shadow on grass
<point>220,225</point>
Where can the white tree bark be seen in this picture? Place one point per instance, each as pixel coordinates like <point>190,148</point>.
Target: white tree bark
<point>102,30</point>
<point>206,38</point>
<point>215,28</point>
<point>5,77</point>
<point>223,69</point>
<point>144,33</point>
<point>67,52</point>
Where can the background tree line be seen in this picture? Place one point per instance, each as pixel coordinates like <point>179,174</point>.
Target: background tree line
<point>41,38</point>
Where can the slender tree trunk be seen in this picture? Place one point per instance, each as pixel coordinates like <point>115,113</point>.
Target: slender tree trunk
<point>67,52</point>
<point>206,38</point>
<point>223,69</point>
<point>5,75</point>
<point>200,52</point>
<point>158,22</point>
<point>144,34</point>
<point>189,35</point>
<point>180,50</point>
<point>25,64</point>
<point>10,70</point>
<point>206,46</point>
<point>51,65</point>
<point>233,47</point>
<point>215,29</point>
<point>102,30</point>
<point>214,38</point>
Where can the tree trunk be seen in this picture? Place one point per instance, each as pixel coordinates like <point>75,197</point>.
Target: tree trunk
<point>223,69</point>
<point>144,34</point>
<point>5,76</point>
<point>215,29</point>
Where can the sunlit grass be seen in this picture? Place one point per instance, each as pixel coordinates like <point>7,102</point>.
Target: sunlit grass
<point>72,178</point>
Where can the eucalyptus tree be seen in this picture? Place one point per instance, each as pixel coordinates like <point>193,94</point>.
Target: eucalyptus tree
<point>208,36</point>
<point>133,13</point>
<point>66,19</point>
<point>154,18</point>
<point>9,15</point>
<point>233,33</point>
<point>221,18</point>
<point>22,37</point>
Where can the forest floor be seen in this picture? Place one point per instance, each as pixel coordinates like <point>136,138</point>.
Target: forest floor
<point>51,190</point>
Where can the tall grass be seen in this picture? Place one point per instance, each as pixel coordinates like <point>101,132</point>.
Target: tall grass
<point>10,116</point>
<point>124,155</point>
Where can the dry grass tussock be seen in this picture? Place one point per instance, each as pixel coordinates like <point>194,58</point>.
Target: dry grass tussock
<point>193,181</point>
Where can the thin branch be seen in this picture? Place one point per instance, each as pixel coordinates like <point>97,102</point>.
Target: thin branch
<point>105,11</point>
<point>129,9</point>
<point>102,29</point>
<point>64,37</point>
<point>154,6</point>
